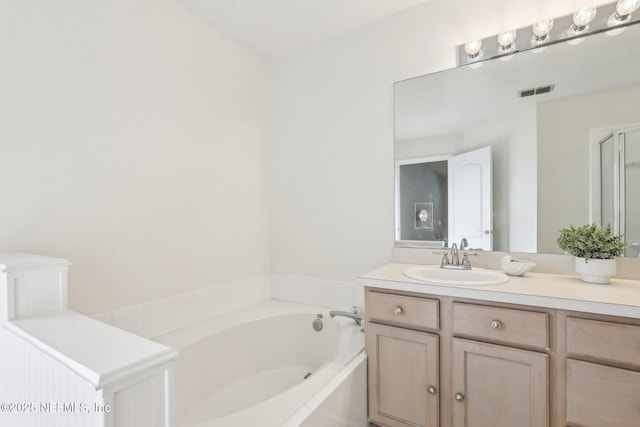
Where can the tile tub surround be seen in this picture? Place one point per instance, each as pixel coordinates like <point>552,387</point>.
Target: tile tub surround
<point>318,292</point>
<point>154,318</point>
<point>566,292</point>
<point>158,317</point>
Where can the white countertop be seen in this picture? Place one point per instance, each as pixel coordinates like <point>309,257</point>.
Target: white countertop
<point>619,298</point>
<point>95,351</point>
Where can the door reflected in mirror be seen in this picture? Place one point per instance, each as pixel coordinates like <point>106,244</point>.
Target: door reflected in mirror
<point>445,199</point>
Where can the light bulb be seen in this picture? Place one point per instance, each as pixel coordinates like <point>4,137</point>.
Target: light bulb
<point>625,7</point>
<point>473,49</point>
<point>582,18</point>
<point>541,30</point>
<point>506,41</point>
<point>506,38</point>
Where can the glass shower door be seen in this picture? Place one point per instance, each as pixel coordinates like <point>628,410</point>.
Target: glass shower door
<point>631,212</point>
<point>617,195</point>
<point>608,182</point>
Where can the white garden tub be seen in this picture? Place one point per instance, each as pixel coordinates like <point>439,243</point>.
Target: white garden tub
<point>261,365</point>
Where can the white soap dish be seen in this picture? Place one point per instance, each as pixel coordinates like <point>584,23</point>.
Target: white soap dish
<point>515,267</point>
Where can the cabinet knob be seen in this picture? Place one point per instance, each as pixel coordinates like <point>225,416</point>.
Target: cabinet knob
<point>431,389</point>
<point>397,310</point>
<point>459,397</point>
<point>496,324</point>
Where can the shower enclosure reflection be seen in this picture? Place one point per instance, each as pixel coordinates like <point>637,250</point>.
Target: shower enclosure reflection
<point>615,185</point>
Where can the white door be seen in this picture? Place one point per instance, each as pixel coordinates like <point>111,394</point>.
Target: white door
<point>470,199</point>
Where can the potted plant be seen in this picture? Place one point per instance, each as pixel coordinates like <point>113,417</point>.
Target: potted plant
<point>595,249</point>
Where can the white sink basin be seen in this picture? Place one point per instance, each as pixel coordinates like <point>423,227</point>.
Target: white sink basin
<point>441,276</point>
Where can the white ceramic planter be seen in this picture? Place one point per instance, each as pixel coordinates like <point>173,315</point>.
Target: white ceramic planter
<point>596,270</point>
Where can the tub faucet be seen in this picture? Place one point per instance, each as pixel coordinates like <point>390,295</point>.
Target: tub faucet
<point>358,318</point>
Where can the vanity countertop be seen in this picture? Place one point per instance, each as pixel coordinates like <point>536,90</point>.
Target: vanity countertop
<point>621,297</point>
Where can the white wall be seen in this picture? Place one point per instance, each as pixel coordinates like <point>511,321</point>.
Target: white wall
<point>133,143</point>
<point>331,133</point>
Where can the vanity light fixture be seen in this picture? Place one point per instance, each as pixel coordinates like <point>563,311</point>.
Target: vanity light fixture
<point>541,30</point>
<point>571,28</point>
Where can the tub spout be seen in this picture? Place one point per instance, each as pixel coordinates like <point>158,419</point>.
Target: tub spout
<point>356,317</point>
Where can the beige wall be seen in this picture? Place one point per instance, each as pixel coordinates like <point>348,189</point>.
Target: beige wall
<point>133,143</point>
<point>564,126</point>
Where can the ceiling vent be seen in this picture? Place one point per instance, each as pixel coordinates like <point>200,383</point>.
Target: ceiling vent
<point>535,91</point>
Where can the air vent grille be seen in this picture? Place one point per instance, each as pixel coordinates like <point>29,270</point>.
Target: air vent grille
<point>535,91</point>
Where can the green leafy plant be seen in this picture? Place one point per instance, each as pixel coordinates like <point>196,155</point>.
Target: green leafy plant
<point>591,242</point>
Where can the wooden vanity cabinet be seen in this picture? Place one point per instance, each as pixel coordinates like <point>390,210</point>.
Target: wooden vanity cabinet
<point>439,362</point>
<point>448,362</point>
<point>403,360</point>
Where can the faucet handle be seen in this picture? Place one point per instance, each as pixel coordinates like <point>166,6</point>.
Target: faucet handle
<point>465,260</point>
<point>445,260</point>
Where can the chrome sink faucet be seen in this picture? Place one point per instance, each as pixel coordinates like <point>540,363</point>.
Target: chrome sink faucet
<point>455,263</point>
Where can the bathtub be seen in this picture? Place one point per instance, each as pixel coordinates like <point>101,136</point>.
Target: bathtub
<point>263,364</point>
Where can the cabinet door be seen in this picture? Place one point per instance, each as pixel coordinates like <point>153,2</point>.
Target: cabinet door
<point>498,386</point>
<point>403,376</point>
<point>602,396</point>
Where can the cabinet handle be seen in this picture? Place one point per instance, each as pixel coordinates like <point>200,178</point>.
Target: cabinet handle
<point>431,389</point>
<point>459,397</point>
<point>496,324</point>
<point>397,310</point>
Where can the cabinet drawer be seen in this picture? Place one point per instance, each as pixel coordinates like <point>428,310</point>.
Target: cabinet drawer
<point>612,342</point>
<point>517,327</point>
<point>402,310</point>
<point>601,396</point>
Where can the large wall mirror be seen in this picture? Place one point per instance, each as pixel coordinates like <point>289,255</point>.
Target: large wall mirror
<point>563,128</point>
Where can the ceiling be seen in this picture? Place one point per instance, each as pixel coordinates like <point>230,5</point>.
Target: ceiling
<point>274,28</point>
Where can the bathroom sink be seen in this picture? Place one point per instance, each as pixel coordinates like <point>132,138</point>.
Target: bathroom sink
<point>440,276</point>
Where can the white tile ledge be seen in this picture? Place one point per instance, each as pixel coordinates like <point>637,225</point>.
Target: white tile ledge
<point>11,262</point>
<point>96,352</point>
<point>619,298</point>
